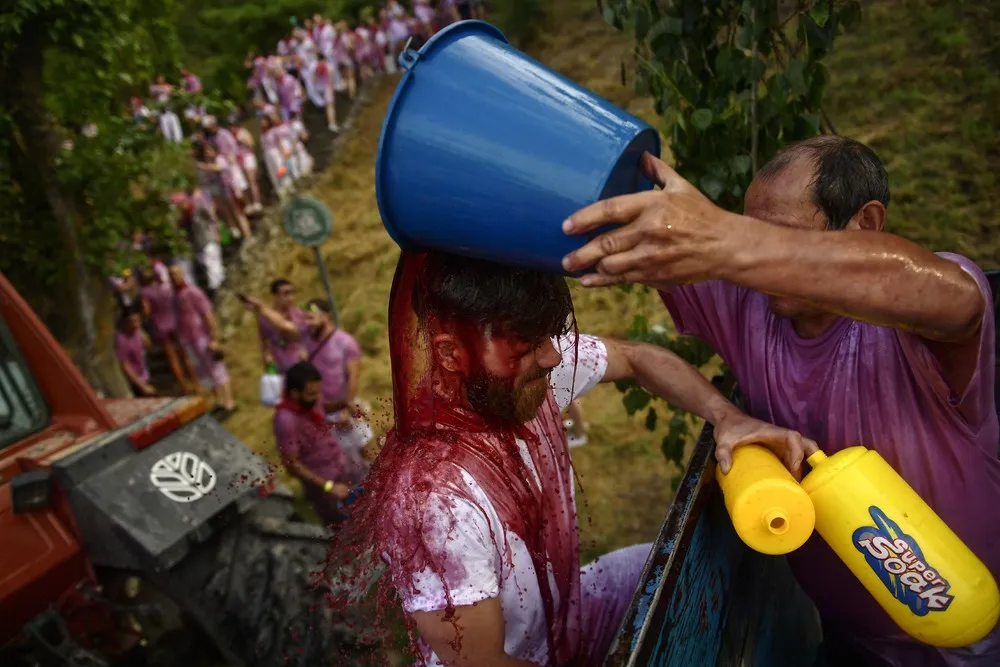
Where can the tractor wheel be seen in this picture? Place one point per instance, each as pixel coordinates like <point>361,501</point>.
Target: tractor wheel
<point>255,590</point>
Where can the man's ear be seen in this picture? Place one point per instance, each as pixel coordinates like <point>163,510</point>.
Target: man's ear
<point>871,217</point>
<point>449,354</point>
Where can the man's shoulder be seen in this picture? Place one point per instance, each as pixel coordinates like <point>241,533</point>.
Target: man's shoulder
<point>968,265</point>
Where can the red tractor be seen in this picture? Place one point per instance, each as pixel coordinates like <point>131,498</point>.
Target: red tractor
<point>140,531</point>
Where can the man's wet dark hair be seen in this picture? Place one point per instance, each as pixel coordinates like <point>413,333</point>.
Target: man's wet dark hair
<point>299,375</point>
<point>848,175</point>
<point>528,304</point>
<point>278,284</point>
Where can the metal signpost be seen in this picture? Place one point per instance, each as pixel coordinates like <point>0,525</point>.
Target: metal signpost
<point>309,222</point>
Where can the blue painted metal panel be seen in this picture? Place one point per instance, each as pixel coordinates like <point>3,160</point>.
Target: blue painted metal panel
<point>705,598</point>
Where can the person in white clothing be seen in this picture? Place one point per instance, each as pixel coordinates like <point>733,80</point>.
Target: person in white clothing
<point>471,501</point>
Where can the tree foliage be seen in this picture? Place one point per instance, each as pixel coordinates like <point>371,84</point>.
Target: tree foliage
<point>90,56</point>
<point>734,81</point>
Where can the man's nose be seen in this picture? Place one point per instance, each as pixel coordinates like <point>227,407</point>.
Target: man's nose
<point>547,356</point>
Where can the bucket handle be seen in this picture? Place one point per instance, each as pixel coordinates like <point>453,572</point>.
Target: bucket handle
<point>408,57</point>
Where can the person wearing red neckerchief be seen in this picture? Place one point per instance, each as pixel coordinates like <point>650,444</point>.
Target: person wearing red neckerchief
<point>310,448</point>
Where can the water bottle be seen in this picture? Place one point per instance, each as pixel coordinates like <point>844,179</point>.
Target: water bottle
<point>771,513</point>
<point>927,580</point>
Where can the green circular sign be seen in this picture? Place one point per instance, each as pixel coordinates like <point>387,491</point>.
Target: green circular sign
<point>308,221</point>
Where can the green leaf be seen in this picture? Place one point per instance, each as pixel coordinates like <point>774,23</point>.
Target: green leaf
<point>636,399</point>
<point>807,125</point>
<point>668,25</point>
<point>651,420</point>
<point>741,165</point>
<point>78,40</point>
<point>850,14</point>
<point>796,76</point>
<point>640,21</point>
<point>701,118</point>
<point>712,186</point>
<point>673,443</point>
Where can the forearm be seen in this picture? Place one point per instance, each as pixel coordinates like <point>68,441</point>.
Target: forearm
<point>211,326</point>
<point>299,469</point>
<point>663,373</point>
<point>280,322</point>
<point>132,376</point>
<point>353,380</point>
<point>333,405</point>
<point>871,276</point>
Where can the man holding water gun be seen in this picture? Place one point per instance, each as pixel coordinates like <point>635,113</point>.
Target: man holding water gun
<point>837,329</point>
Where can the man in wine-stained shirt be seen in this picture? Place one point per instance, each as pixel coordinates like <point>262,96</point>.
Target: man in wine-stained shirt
<point>838,329</point>
<point>471,501</point>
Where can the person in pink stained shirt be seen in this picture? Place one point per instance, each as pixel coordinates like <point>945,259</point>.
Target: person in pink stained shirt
<point>326,35</point>
<point>247,158</point>
<point>198,332</point>
<point>282,327</point>
<point>276,145</point>
<point>425,14</point>
<point>323,81</point>
<point>190,83</point>
<point>343,52</point>
<point>310,448</point>
<point>156,297</point>
<point>130,348</point>
<point>836,328</point>
<point>379,43</point>
<point>290,95</point>
<point>364,45</point>
<point>338,357</point>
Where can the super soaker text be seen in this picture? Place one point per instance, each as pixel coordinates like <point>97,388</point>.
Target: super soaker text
<point>899,562</point>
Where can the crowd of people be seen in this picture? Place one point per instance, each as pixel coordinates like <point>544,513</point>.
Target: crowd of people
<point>315,63</point>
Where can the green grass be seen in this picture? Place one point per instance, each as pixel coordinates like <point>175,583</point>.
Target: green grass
<point>920,83</point>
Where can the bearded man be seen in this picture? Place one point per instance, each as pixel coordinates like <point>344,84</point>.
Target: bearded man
<point>472,497</point>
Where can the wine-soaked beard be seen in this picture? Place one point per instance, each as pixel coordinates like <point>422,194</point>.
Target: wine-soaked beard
<point>493,397</point>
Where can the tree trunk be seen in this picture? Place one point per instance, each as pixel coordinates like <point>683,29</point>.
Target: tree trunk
<point>41,148</point>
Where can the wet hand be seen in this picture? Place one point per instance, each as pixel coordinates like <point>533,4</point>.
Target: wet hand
<point>738,429</point>
<point>668,236</point>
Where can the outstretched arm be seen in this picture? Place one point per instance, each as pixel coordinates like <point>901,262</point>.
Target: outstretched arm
<point>279,321</point>
<point>663,373</point>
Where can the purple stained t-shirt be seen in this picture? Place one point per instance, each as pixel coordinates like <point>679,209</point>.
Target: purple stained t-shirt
<point>226,143</point>
<point>315,443</point>
<point>131,351</point>
<point>192,307</point>
<point>162,310</point>
<point>286,351</point>
<point>859,383</point>
<point>331,362</point>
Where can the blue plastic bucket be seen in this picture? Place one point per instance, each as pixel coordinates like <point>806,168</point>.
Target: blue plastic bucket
<point>485,151</point>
